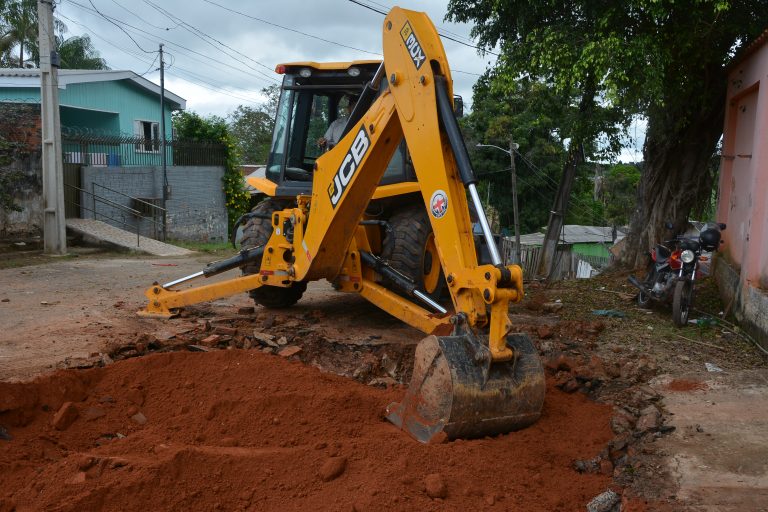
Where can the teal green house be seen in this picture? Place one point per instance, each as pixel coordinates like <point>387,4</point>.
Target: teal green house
<point>101,106</point>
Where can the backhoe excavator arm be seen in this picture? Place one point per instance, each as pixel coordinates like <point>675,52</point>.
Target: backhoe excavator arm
<point>466,384</point>
<point>318,238</point>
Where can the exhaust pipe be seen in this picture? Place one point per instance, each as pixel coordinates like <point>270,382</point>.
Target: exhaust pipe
<point>633,280</point>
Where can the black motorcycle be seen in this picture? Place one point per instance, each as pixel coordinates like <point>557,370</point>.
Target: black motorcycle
<point>672,270</point>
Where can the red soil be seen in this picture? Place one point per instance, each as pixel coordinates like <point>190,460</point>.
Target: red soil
<point>686,385</point>
<point>241,430</point>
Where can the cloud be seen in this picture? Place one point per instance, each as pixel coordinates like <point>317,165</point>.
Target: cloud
<point>217,59</point>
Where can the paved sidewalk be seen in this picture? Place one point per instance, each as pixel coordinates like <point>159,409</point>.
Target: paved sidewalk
<point>107,233</point>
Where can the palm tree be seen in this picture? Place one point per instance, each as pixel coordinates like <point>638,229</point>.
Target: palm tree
<point>18,28</point>
<point>77,52</point>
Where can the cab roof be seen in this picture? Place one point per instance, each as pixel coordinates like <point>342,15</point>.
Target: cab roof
<point>329,66</point>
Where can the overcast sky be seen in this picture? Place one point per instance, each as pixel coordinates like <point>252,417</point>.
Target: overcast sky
<point>215,79</point>
<point>218,59</point>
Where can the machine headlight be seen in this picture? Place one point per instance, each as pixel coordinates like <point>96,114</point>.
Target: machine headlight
<point>305,72</point>
<point>353,71</point>
<point>687,256</point>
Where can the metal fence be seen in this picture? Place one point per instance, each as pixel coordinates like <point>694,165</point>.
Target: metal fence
<point>84,148</point>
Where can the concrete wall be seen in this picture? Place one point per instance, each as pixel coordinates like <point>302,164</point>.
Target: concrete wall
<point>21,175</point>
<point>742,266</point>
<point>748,304</point>
<point>196,208</point>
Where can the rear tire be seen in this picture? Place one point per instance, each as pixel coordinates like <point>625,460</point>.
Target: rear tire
<point>409,247</point>
<point>256,233</point>
<point>682,301</point>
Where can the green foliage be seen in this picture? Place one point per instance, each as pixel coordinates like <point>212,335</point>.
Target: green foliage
<point>252,127</point>
<point>192,126</point>
<point>18,31</point>
<point>664,59</point>
<point>620,193</point>
<point>78,52</point>
<point>19,45</point>
<point>10,179</point>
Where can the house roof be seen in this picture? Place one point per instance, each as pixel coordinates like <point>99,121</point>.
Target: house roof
<point>17,77</point>
<point>574,234</point>
<point>755,45</point>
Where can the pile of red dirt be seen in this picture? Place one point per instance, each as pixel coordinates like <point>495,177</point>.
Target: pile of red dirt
<point>242,430</point>
<point>686,385</point>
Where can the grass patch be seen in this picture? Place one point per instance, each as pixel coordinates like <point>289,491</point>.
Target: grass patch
<point>217,248</point>
<point>28,258</point>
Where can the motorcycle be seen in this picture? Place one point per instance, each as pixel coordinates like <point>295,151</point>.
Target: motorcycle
<point>671,272</point>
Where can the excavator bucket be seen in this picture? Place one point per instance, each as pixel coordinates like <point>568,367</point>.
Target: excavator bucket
<point>456,392</point>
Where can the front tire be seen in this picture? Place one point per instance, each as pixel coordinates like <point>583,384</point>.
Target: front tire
<point>682,301</point>
<point>409,247</point>
<point>256,233</point>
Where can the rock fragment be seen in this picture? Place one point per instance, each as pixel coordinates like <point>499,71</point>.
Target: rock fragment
<point>333,468</point>
<point>93,413</point>
<point>139,418</point>
<point>65,416</point>
<point>649,419</point>
<point>435,487</point>
<point>289,351</point>
<point>603,502</point>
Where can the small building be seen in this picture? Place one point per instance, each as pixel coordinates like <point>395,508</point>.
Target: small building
<point>111,128</point>
<point>587,244</point>
<point>107,104</point>
<point>742,263</point>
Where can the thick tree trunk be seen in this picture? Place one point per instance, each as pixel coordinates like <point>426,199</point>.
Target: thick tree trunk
<point>677,175</point>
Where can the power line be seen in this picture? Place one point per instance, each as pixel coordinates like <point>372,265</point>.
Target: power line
<point>443,35</point>
<point>152,65</point>
<point>202,35</point>
<point>200,81</point>
<point>118,26</point>
<point>142,19</point>
<point>154,38</point>
<point>287,28</point>
<point>442,27</point>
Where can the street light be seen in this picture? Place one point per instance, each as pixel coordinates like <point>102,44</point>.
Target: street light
<point>511,152</point>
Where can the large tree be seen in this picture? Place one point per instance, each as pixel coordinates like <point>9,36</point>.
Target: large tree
<point>664,59</point>
<point>78,52</point>
<point>18,31</point>
<point>19,45</point>
<point>252,127</point>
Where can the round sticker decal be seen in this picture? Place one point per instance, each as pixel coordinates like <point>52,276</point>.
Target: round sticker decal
<point>438,205</point>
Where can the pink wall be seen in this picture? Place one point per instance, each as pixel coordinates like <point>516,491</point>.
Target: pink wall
<point>743,185</point>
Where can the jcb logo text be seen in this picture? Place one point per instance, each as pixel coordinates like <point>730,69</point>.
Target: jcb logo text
<point>349,166</point>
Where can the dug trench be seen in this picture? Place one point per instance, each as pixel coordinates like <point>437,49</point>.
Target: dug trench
<point>264,411</point>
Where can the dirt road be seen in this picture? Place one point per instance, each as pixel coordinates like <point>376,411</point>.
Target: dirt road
<point>74,308</point>
<point>259,421</point>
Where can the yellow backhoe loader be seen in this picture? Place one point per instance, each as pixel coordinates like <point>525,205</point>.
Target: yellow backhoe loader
<point>472,376</point>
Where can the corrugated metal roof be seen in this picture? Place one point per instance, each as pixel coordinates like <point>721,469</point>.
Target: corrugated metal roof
<point>573,234</point>
<point>18,77</point>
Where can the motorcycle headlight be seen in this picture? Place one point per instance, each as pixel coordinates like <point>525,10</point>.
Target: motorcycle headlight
<point>687,256</point>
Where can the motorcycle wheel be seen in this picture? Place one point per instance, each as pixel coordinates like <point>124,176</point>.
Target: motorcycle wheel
<point>682,301</point>
<point>644,299</point>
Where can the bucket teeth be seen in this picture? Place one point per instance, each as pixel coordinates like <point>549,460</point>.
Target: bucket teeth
<point>454,394</point>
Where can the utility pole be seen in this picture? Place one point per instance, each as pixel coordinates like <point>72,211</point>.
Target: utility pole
<point>557,214</point>
<point>166,191</point>
<point>511,152</point>
<point>54,223</point>
<point>512,148</point>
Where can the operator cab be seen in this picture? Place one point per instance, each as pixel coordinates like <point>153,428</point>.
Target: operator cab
<point>312,96</point>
